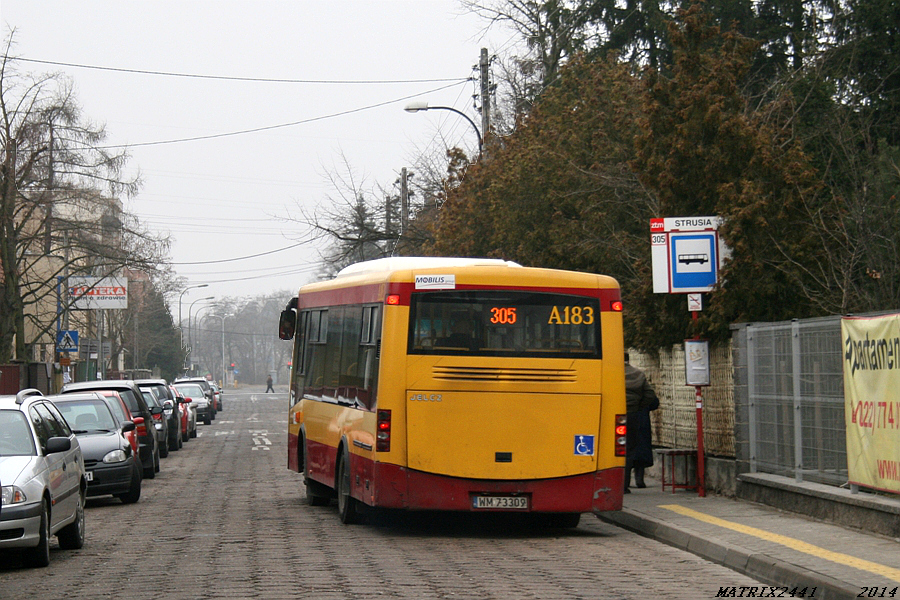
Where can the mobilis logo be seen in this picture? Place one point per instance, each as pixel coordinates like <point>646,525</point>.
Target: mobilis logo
<point>435,282</point>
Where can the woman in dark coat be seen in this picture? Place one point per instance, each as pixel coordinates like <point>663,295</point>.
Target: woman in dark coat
<point>640,400</point>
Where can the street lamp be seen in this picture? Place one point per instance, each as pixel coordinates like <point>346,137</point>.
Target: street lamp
<point>223,317</point>
<point>190,309</point>
<point>190,287</point>
<point>418,106</point>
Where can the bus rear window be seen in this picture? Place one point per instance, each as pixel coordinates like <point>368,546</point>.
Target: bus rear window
<point>504,323</point>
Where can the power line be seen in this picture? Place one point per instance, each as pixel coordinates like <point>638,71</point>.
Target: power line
<point>281,126</point>
<point>234,78</point>
<point>225,260</point>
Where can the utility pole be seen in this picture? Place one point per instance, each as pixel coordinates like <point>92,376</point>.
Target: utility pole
<point>484,69</point>
<point>404,200</point>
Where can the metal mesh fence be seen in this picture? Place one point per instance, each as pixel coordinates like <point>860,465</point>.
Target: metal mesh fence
<point>796,390</point>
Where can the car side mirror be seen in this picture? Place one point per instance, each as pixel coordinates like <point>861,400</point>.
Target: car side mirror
<point>128,426</point>
<point>156,410</point>
<point>168,404</point>
<point>58,444</point>
<point>138,421</point>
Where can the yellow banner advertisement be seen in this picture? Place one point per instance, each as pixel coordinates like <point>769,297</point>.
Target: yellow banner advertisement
<point>871,348</point>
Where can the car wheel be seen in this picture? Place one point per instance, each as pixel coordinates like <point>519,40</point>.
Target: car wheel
<point>39,556</point>
<point>150,472</point>
<point>348,509</point>
<point>194,432</point>
<point>207,419</point>
<point>71,537</point>
<point>134,492</point>
<point>164,448</point>
<point>317,494</point>
<point>156,460</point>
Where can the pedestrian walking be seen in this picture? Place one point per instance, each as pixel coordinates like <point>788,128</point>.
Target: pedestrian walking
<point>269,387</point>
<point>640,399</point>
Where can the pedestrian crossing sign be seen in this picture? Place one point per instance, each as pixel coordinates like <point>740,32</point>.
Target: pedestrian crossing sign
<point>67,341</point>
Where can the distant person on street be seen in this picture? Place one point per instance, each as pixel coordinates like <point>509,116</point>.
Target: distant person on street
<point>269,387</point>
<point>640,399</point>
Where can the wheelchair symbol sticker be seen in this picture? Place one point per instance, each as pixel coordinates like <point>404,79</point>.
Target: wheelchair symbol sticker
<point>584,445</point>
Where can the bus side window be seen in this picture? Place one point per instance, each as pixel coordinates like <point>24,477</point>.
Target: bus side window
<point>368,354</point>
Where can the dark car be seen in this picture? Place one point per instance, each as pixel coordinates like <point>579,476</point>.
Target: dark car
<point>160,422</point>
<point>218,392</point>
<point>109,462</point>
<point>203,382</point>
<point>169,402</point>
<point>148,448</point>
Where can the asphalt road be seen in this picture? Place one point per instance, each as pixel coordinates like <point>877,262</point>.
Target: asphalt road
<point>225,519</point>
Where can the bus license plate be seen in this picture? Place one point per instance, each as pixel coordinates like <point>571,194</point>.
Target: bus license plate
<point>501,502</point>
<point>88,475</point>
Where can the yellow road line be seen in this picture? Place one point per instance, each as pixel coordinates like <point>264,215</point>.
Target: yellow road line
<point>843,559</point>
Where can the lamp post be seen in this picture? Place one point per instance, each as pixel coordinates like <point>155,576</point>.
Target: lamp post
<point>223,317</point>
<point>419,106</point>
<point>190,309</point>
<point>190,287</point>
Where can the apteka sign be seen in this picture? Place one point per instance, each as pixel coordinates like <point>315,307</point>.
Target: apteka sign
<point>89,293</point>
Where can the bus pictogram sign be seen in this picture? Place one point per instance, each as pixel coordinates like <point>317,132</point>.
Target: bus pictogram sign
<point>687,253</point>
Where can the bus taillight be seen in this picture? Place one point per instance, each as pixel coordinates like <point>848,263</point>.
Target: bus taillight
<point>392,299</point>
<point>383,431</point>
<point>617,306</point>
<point>621,430</point>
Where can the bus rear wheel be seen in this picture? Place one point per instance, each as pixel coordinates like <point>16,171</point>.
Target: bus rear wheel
<point>558,520</point>
<point>348,510</point>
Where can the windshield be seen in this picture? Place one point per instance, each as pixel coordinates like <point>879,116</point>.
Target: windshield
<point>150,398</point>
<point>15,435</point>
<point>87,416</point>
<point>195,392</point>
<point>504,323</point>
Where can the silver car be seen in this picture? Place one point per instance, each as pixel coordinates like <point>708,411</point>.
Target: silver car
<point>44,484</point>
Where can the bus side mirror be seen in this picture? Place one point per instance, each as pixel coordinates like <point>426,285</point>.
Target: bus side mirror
<point>287,324</point>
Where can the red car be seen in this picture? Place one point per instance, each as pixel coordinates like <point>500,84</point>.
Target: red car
<point>188,415</point>
<point>120,410</point>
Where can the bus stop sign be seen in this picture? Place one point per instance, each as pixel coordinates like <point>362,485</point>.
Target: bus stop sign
<point>687,253</point>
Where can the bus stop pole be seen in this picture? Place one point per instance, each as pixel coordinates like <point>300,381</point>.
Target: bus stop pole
<point>701,476</point>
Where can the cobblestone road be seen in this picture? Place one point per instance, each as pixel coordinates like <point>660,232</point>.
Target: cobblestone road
<point>226,519</point>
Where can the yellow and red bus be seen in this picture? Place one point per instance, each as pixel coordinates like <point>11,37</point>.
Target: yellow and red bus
<point>458,384</point>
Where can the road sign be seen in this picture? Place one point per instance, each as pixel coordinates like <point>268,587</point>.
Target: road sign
<point>695,302</point>
<point>687,253</point>
<point>67,341</point>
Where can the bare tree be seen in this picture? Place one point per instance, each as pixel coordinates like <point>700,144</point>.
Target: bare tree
<point>59,213</point>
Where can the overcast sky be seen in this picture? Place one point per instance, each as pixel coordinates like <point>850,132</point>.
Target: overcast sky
<point>223,198</point>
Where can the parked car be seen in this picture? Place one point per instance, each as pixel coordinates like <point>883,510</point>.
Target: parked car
<point>198,398</point>
<point>165,395</point>
<point>111,466</point>
<point>44,483</point>
<point>204,383</point>
<point>142,415</point>
<point>219,392</point>
<point>189,414</point>
<point>160,422</point>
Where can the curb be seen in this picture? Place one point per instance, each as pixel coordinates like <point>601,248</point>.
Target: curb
<point>764,568</point>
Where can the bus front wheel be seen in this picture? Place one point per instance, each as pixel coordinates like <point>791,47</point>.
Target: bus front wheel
<point>317,494</point>
<point>348,510</point>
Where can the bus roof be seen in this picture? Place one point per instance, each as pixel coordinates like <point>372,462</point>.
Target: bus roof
<point>399,263</point>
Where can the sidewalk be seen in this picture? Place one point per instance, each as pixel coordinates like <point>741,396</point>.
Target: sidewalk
<point>775,547</point>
